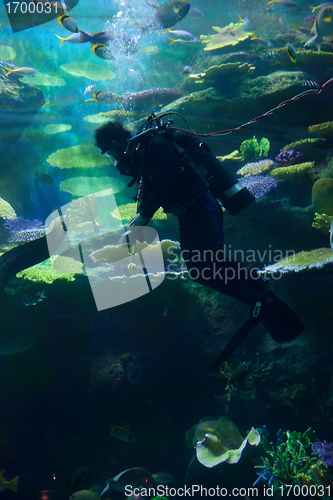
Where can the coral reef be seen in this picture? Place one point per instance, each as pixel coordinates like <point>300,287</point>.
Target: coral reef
<point>289,462</point>
<point>257,167</point>
<point>126,212</point>
<point>22,230</point>
<point>313,259</point>
<point>299,172</point>
<point>218,75</point>
<point>82,186</point>
<point>258,185</point>
<point>45,273</point>
<point>288,157</point>
<point>322,196</point>
<point>254,149</point>
<point>81,156</point>
<point>322,129</point>
<point>6,210</point>
<point>83,213</point>
<point>229,35</point>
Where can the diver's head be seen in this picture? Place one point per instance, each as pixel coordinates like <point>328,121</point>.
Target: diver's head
<point>112,139</point>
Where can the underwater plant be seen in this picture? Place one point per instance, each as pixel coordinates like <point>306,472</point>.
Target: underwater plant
<point>290,461</point>
<point>254,149</point>
<point>245,372</point>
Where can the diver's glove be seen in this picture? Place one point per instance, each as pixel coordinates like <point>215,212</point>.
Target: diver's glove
<point>138,220</point>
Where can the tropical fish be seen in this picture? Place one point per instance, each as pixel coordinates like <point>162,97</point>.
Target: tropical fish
<point>121,433</point>
<point>311,85</point>
<point>80,475</point>
<point>181,34</point>
<point>44,178</point>
<point>84,495</point>
<point>121,40</point>
<point>88,90</point>
<point>79,37</point>
<point>136,477</point>
<point>283,2</point>
<point>162,478</point>
<point>33,299</point>
<point>179,40</point>
<point>19,72</point>
<point>104,96</point>
<point>102,50</point>
<point>168,14</point>
<point>322,27</point>
<point>291,51</point>
<point>68,23</point>
<point>195,12</point>
<point>321,6</point>
<point>4,484</point>
<point>151,49</point>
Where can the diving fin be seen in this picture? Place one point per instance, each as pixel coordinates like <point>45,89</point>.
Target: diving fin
<point>279,319</point>
<point>234,342</point>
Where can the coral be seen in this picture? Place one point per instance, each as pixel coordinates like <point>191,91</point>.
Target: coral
<point>82,186</point>
<point>126,212</point>
<point>313,259</point>
<point>218,441</point>
<point>322,129</point>
<point>84,211</point>
<point>7,53</point>
<point>88,70</point>
<point>22,230</point>
<point>6,210</point>
<point>258,185</point>
<point>288,157</point>
<point>254,149</point>
<point>229,35</point>
<point>44,80</point>
<point>45,273</point>
<point>322,222</point>
<point>324,451</point>
<point>257,167</point>
<point>81,156</point>
<point>234,155</point>
<point>304,143</point>
<point>290,461</point>
<point>322,196</point>
<point>56,128</point>
<point>301,171</point>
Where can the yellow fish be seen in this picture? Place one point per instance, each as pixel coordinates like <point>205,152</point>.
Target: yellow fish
<point>24,71</point>
<point>79,37</point>
<point>68,23</point>
<point>4,484</point>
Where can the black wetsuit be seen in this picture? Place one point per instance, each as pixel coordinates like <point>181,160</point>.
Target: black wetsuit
<point>183,191</point>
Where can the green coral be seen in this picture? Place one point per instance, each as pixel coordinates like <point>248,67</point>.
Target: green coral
<point>254,149</point>
<point>290,462</point>
<point>322,222</point>
<point>126,212</point>
<point>322,196</point>
<point>292,172</point>
<point>304,143</point>
<point>313,259</point>
<point>81,156</point>
<point>45,273</point>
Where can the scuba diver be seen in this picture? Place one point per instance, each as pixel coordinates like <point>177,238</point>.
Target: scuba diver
<point>170,166</point>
